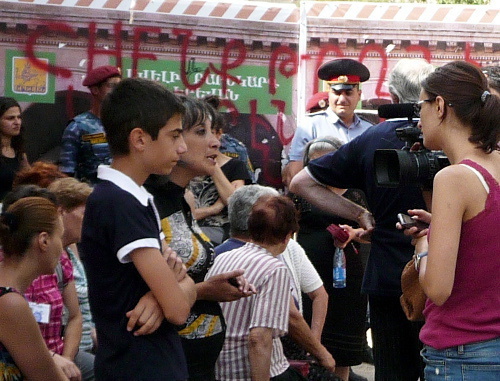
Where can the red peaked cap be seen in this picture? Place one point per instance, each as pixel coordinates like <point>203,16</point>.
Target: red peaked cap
<point>314,101</point>
<point>100,74</point>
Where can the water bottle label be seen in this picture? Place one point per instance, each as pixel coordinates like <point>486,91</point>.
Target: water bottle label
<point>339,274</point>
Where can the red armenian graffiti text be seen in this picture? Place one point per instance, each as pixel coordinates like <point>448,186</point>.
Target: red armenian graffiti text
<point>283,61</point>
<point>93,51</point>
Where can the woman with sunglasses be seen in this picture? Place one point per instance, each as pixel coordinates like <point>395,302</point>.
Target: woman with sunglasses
<point>459,260</point>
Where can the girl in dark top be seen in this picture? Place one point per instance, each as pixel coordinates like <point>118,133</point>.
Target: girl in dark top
<point>12,156</point>
<point>31,238</point>
<point>204,332</point>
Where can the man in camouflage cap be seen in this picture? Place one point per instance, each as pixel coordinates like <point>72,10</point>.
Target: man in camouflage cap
<point>84,144</point>
<point>339,120</point>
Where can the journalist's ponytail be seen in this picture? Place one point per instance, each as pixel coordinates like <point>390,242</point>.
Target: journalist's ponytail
<point>465,88</point>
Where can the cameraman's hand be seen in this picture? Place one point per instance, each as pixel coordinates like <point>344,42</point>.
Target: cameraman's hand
<point>367,222</point>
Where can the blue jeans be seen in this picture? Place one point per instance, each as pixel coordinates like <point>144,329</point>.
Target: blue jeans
<point>471,362</point>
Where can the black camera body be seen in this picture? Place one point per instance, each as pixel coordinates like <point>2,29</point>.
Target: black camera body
<point>398,167</point>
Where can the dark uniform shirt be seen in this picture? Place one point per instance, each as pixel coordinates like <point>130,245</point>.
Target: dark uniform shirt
<point>235,149</point>
<point>352,167</point>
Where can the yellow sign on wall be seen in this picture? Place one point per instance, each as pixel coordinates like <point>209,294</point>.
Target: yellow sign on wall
<point>28,79</point>
<point>27,82</point>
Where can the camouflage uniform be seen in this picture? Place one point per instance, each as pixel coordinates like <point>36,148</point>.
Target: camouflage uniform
<point>235,149</point>
<point>84,147</point>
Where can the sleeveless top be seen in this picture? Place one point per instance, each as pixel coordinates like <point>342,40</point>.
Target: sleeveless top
<point>472,312</point>
<point>8,369</point>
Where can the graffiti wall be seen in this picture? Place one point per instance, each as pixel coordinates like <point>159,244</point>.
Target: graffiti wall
<point>260,58</point>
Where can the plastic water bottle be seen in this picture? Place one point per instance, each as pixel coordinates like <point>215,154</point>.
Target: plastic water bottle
<point>339,271</point>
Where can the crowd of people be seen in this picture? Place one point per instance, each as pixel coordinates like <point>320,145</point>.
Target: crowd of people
<point>148,254</point>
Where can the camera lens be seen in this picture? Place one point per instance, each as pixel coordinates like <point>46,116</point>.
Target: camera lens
<point>394,168</point>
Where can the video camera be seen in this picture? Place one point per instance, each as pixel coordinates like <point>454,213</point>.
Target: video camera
<point>394,167</point>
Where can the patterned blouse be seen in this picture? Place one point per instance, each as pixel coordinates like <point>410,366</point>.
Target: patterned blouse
<point>185,237</point>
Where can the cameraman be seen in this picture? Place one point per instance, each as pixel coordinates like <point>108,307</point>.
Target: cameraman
<point>395,339</point>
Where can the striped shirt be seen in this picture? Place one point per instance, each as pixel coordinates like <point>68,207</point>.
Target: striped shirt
<point>268,308</point>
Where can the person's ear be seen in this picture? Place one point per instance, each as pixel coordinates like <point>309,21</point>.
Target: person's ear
<point>43,241</point>
<point>61,211</point>
<point>138,139</point>
<point>394,98</point>
<point>94,90</point>
<point>440,106</point>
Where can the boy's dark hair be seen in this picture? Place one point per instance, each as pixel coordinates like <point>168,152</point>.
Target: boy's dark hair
<point>137,103</point>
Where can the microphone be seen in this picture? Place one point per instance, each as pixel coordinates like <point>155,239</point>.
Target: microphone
<point>396,110</point>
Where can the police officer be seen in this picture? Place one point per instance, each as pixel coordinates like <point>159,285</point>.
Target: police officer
<point>84,145</point>
<point>339,120</point>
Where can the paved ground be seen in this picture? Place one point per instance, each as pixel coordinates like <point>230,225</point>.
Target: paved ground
<point>365,370</point>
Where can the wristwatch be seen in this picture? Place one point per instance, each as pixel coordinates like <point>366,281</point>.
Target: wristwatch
<point>418,257</point>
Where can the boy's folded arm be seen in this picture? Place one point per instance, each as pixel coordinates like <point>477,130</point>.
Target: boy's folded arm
<point>175,298</point>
